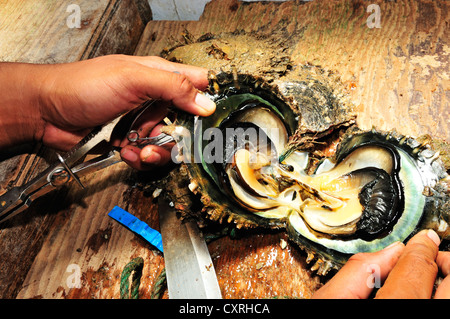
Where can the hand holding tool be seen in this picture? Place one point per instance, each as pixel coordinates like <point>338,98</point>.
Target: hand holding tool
<point>20,198</point>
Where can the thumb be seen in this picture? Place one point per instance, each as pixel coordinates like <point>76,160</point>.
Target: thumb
<point>443,261</point>
<point>169,86</point>
<point>416,270</point>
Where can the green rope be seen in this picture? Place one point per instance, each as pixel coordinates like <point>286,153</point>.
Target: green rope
<point>135,266</point>
<point>159,286</point>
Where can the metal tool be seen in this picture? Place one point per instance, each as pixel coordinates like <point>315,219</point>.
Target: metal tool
<point>20,198</point>
<point>154,140</point>
<point>133,135</point>
<point>189,268</point>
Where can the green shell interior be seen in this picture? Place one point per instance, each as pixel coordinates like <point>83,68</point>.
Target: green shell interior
<point>413,176</point>
<point>225,107</point>
<point>407,223</point>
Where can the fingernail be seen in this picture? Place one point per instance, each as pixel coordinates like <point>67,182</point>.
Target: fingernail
<point>433,236</point>
<point>129,156</point>
<point>205,103</point>
<point>150,156</point>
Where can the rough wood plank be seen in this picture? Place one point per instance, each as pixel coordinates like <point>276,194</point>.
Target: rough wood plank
<point>87,247</point>
<point>37,32</point>
<point>397,77</point>
<point>256,266</point>
<point>332,34</point>
<point>397,74</point>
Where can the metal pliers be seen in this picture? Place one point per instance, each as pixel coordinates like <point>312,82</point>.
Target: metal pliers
<point>20,198</point>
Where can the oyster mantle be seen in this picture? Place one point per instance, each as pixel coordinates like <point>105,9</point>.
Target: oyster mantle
<point>395,184</point>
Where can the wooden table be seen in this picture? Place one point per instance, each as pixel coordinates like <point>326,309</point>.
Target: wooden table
<point>397,75</point>
<point>40,32</point>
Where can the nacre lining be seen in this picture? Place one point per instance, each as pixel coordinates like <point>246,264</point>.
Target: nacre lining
<point>324,207</point>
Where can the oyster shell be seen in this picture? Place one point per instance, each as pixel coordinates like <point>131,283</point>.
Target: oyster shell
<point>263,160</point>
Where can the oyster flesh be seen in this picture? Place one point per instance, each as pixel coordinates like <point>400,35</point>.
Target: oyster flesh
<point>283,151</point>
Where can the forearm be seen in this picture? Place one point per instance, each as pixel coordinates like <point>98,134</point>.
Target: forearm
<point>20,86</point>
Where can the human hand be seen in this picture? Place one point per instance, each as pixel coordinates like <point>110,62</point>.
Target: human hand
<point>59,104</point>
<point>407,271</point>
<point>98,90</point>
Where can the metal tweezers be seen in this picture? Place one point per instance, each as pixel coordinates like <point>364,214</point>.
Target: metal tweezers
<point>20,198</point>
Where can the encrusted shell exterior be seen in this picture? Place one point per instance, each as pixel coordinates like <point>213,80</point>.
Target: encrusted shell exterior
<point>323,115</point>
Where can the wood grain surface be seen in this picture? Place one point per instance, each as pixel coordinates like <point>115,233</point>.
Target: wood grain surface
<point>397,76</point>
<point>37,32</point>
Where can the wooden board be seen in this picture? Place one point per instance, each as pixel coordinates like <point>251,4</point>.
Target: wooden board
<point>37,32</point>
<point>397,77</point>
<point>398,73</point>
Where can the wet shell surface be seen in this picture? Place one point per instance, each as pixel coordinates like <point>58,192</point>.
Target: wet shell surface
<point>284,152</point>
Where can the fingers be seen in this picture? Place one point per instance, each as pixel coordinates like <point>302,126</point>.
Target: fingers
<point>359,275</point>
<point>173,87</point>
<point>168,81</point>
<point>443,262</point>
<point>149,157</point>
<point>413,276</point>
<point>198,76</point>
<point>62,140</point>
<point>415,272</point>
<point>175,82</point>
<point>148,121</point>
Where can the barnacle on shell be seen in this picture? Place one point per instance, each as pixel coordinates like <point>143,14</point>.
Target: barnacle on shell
<point>263,160</point>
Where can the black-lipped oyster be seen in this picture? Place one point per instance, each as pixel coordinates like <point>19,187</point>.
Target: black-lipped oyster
<point>378,188</point>
<point>274,170</point>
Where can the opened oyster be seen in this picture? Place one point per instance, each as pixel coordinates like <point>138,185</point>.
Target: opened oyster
<point>263,159</point>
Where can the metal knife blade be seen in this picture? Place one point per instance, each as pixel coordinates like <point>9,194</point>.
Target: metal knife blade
<point>189,268</point>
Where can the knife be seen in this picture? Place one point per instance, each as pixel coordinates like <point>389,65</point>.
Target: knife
<point>189,269</point>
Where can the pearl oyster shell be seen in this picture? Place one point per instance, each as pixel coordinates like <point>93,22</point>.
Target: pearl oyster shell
<point>398,185</point>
